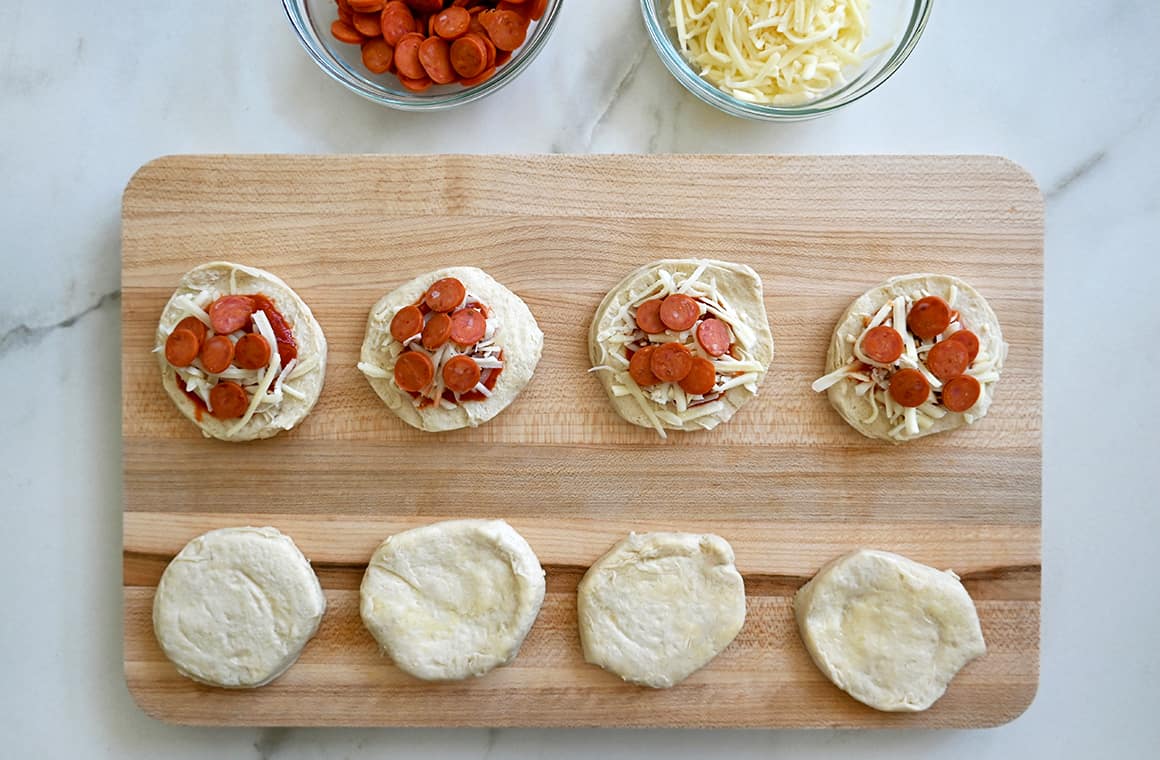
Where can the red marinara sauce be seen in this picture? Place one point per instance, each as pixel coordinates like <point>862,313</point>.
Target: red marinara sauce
<point>287,346</point>
<point>199,407</point>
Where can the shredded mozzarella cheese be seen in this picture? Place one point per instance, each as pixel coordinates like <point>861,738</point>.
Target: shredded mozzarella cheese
<point>778,52</point>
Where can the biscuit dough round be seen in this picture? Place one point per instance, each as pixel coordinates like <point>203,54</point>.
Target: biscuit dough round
<point>659,606</point>
<point>452,599</point>
<point>219,278</point>
<point>516,333</point>
<point>888,631</point>
<point>977,315</point>
<point>236,606</point>
<point>737,284</point>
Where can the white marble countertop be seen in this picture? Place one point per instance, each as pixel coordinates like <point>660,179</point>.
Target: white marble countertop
<point>89,92</point>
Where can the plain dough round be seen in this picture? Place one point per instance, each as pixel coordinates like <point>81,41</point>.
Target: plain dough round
<point>236,606</point>
<point>517,334</point>
<point>977,315</point>
<point>888,631</point>
<point>741,287</point>
<point>659,606</point>
<point>452,599</point>
<point>214,277</point>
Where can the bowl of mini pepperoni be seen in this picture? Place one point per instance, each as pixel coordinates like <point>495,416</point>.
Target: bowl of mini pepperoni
<point>419,55</point>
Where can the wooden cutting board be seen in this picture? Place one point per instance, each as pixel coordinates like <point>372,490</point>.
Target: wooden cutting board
<point>786,481</point>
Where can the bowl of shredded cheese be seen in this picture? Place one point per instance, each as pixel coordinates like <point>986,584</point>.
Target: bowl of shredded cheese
<point>783,60</point>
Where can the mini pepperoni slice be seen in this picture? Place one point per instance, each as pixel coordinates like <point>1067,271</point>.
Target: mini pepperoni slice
<point>437,331</point>
<point>468,326</point>
<point>536,9</point>
<point>230,313</point>
<point>507,29</point>
<point>961,393</point>
<point>397,21</point>
<point>929,317</point>
<point>344,32</point>
<point>648,317</point>
<point>882,344</point>
<point>195,326</point>
<point>216,354</point>
<point>377,55</point>
<point>483,76</point>
<point>714,337</point>
<point>229,400</point>
<point>415,85</point>
<point>451,22</point>
<point>435,58</point>
<point>640,367</point>
<point>491,54</point>
<point>947,359</point>
<point>368,24</point>
<point>407,56</point>
<point>460,373</point>
<point>413,371</point>
<point>407,323</point>
<point>468,55</point>
<point>365,6</point>
<point>671,362</point>
<point>909,388</point>
<point>445,294</point>
<point>966,337</point>
<point>679,312</point>
<point>181,348</point>
<point>701,378</point>
<point>252,351</point>
<point>477,27</point>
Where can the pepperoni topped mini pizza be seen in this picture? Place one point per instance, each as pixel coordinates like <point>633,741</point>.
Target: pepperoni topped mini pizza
<point>681,344</point>
<point>241,354</point>
<point>917,355</point>
<point>450,349</point>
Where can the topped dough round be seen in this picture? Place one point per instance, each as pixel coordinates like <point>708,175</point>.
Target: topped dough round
<point>859,386</point>
<point>236,606</point>
<point>452,599</point>
<point>261,401</point>
<point>712,312</point>
<point>659,606</point>
<point>888,631</point>
<point>505,353</point>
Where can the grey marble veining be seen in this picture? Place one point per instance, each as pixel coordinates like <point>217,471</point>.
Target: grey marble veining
<point>89,92</point>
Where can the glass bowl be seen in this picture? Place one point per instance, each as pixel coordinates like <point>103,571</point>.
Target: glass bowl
<point>895,27</point>
<point>341,61</point>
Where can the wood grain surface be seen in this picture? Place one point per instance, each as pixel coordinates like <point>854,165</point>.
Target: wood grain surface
<point>787,482</point>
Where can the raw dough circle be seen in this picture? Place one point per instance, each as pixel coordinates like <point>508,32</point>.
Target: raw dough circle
<point>659,606</point>
<point>236,606</point>
<point>452,599</point>
<point>977,316</point>
<point>888,631</point>
<point>737,285</point>
<point>515,332</point>
<point>218,278</point>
